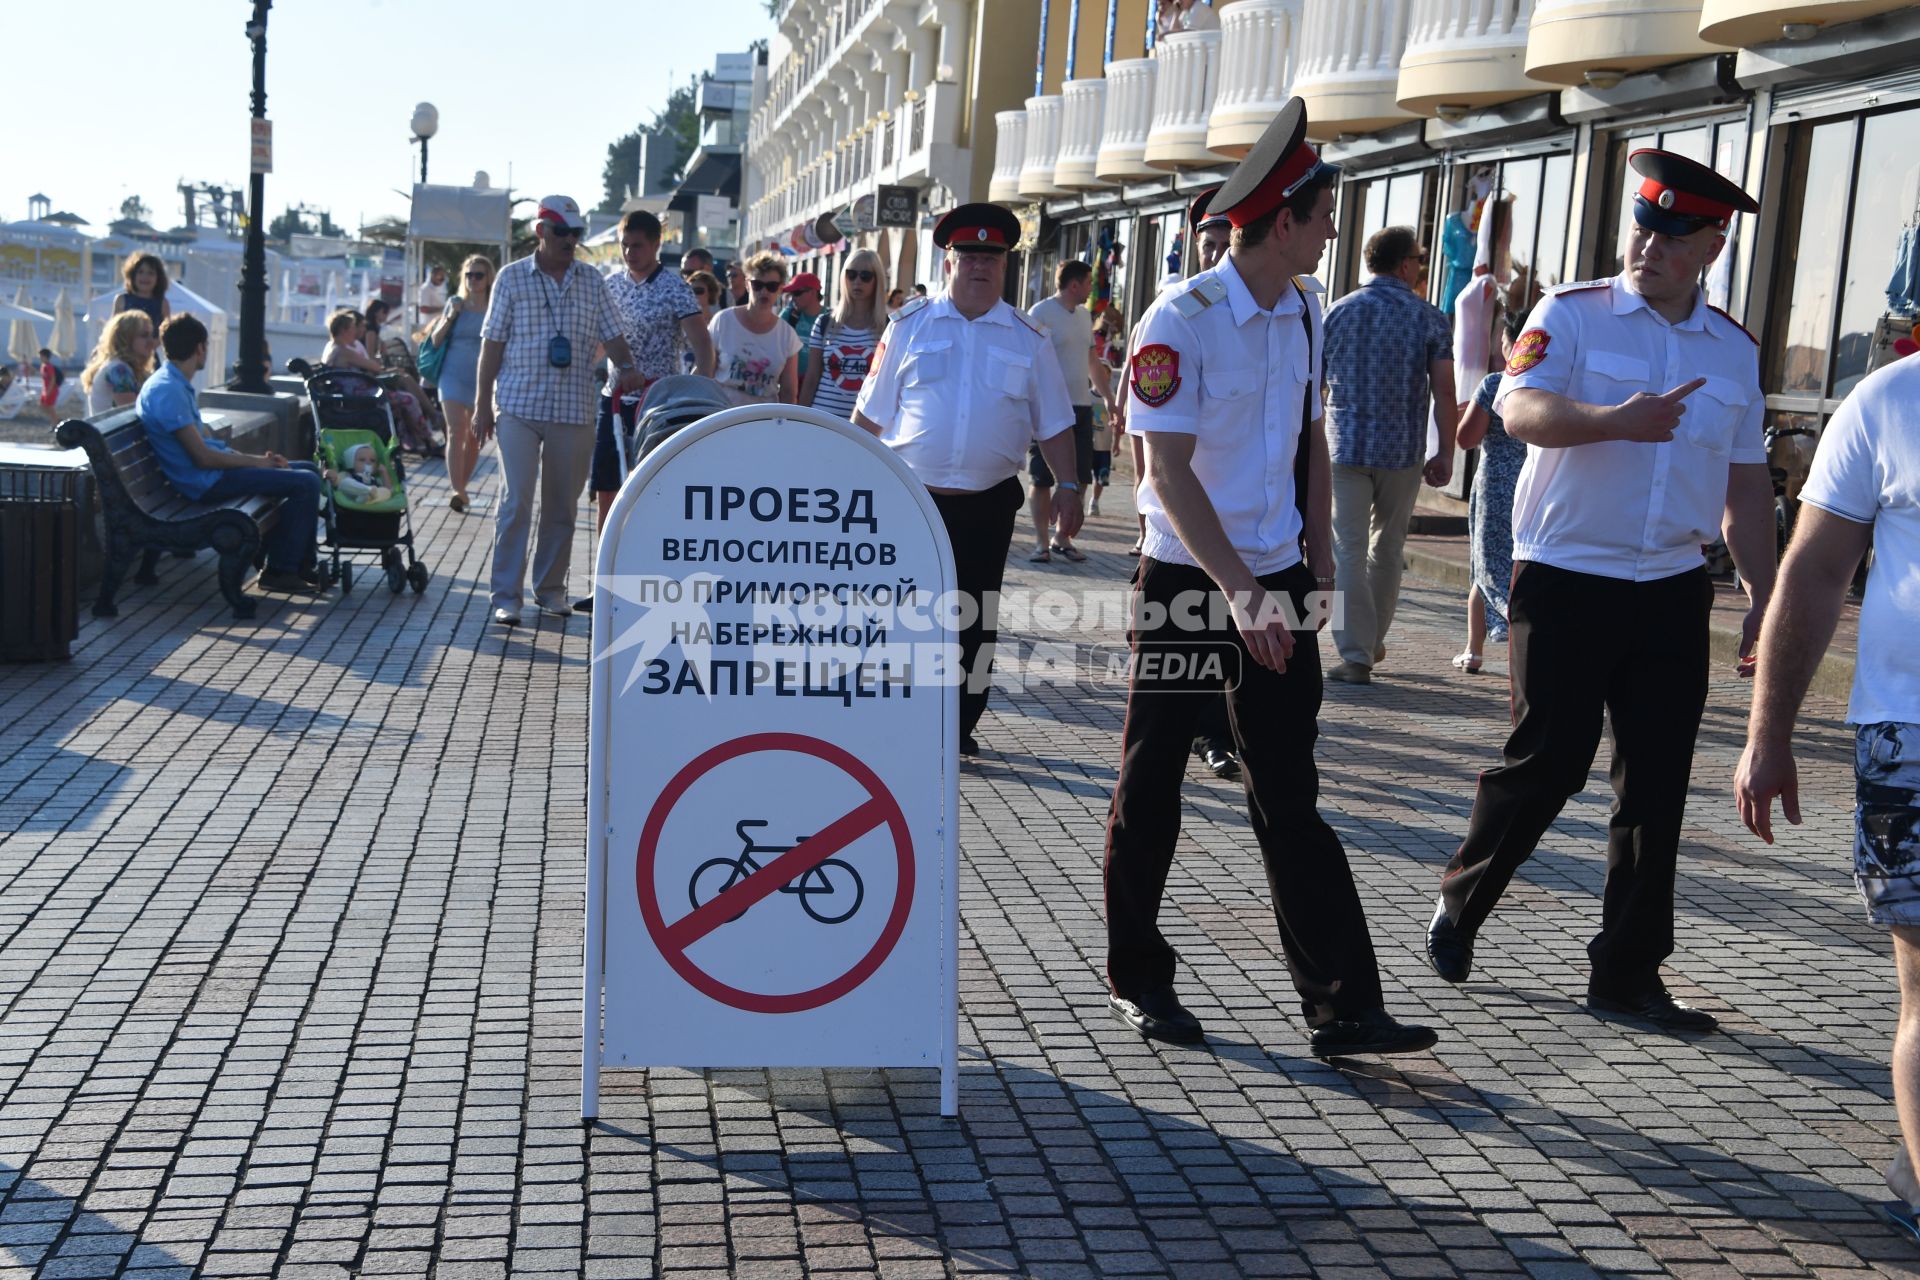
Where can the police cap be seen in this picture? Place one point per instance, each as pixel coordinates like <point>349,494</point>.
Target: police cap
<point>1279,165</point>
<point>1679,196</point>
<point>1199,213</point>
<point>975,227</point>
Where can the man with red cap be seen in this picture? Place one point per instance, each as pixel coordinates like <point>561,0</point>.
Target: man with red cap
<point>1224,388</point>
<point>959,388</point>
<point>1643,408</point>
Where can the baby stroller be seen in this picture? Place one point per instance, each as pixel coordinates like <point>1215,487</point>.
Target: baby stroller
<point>675,401</point>
<point>362,512</point>
<point>346,398</point>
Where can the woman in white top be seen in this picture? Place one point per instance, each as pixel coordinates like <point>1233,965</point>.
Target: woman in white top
<point>121,361</point>
<point>755,352</point>
<point>842,343</point>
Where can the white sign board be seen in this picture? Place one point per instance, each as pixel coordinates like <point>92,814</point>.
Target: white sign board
<point>773,794</point>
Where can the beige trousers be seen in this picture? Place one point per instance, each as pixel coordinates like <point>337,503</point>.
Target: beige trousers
<point>1372,507</point>
<point>551,459</point>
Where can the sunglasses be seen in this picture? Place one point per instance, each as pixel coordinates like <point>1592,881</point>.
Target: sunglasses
<point>864,277</point>
<point>564,231</point>
<point>476,275</point>
<point>766,286</point>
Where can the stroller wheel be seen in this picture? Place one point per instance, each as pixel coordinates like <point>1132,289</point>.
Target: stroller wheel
<point>417,577</point>
<point>346,578</point>
<point>396,571</point>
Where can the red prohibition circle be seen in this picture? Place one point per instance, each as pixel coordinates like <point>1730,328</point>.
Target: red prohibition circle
<point>675,953</point>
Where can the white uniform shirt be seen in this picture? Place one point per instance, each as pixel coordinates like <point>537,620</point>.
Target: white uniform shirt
<point>1618,508</point>
<point>1209,363</point>
<point>961,400</point>
<point>1867,470</point>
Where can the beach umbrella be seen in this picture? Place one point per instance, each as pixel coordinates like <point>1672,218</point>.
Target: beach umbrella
<point>63,341</point>
<point>24,342</point>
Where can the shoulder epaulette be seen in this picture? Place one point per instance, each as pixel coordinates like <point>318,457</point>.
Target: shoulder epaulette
<point>1735,323</point>
<point>916,303</point>
<point>1202,294</point>
<point>1309,284</point>
<point>1576,286</point>
<point>1028,320</point>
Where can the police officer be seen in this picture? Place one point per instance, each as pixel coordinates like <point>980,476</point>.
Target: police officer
<point>1212,234</point>
<point>1224,388</point>
<point>959,388</point>
<point>1643,408</point>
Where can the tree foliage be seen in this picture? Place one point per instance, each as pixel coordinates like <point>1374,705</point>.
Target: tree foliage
<point>679,122</point>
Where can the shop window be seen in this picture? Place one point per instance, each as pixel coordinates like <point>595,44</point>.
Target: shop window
<point>1541,191</point>
<point>1368,205</point>
<point>1722,145</point>
<point>1852,208</point>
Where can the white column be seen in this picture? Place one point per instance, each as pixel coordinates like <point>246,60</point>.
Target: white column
<point>1183,99</point>
<point>1257,43</point>
<point>1128,117</point>
<point>1083,111</point>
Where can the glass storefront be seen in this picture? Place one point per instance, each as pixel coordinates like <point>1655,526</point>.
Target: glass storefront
<point>1851,211</point>
<point>1542,190</point>
<point>1370,204</point>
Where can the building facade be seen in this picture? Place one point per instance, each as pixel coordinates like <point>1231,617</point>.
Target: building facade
<point>872,125</point>
<point>1813,107</point>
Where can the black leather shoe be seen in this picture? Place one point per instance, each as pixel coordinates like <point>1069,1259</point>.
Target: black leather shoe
<point>288,583</point>
<point>1374,1031</point>
<point>1449,947</point>
<point>968,747</point>
<point>1222,762</point>
<point>583,605</point>
<point>1657,1007</point>
<point>1158,1015</point>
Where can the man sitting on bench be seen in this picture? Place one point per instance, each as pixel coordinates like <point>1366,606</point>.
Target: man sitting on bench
<point>206,470</point>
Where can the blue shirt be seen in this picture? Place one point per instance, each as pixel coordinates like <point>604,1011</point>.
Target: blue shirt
<point>167,403</point>
<point>1380,340</point>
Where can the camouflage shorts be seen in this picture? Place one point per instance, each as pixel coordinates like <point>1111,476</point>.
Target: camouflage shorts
<point>1886,842</point>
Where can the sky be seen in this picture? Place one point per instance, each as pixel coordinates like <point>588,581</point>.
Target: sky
<point>526,89</point>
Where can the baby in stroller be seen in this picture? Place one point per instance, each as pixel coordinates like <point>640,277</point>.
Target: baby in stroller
<point>366,479</point>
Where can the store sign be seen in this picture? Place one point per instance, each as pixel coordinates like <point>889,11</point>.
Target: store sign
<point>772,759</point>
<point>896,206</point>
<point>862,214</point>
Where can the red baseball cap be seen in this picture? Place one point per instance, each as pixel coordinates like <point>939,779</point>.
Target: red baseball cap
<point>801,283</point>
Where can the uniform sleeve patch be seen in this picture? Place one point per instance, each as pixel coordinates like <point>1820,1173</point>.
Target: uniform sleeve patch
<point>1528,351</point>
<point>1156,374</point>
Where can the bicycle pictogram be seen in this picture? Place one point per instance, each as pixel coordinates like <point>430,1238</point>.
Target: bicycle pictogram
<point>833,879</point>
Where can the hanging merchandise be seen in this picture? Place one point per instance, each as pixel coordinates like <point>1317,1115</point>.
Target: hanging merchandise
<point>1106,269</point>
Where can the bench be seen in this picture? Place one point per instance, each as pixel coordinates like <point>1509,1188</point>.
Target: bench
<point>144,513</point>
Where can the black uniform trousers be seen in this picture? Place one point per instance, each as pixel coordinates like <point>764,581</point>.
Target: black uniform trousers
<point>980,527</point>
<point>1581,644</point>
<point>1274,720</point>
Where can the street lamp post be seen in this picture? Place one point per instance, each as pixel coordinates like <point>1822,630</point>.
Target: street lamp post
<point>250,373</point>
<point>426,123</point>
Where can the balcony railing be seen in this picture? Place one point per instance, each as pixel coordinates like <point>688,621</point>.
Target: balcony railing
<point>1082,111</point>
<point>1043,147</point>
<point>1257,43</point>
<point>1597,41</point>
<point>1749,22</point>
<point>1183,99</point>
<point>1348,67</point>
<point>1466,53</point>
<point>1126,120</point>
<point>1009,153</point>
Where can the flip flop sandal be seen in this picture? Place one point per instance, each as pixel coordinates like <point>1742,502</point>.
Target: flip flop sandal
<point>1040,556</point>
<point>1134,550</point>
<point>1074,554</point>
<point>1467,662</point>
<point>1902,1217</point>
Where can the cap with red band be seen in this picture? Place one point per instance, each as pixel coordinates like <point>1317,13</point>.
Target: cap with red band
<point>979,226</point>
<point>1279,165</point>
<point>1200,213</point>
<point>561,209</point>
<point>1679,196</point>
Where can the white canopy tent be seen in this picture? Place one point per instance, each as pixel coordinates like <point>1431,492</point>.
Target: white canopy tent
<point>455,215</point>
<point>180,299</point>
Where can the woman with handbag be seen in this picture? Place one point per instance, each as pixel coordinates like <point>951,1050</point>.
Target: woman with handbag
<point>454,340</point>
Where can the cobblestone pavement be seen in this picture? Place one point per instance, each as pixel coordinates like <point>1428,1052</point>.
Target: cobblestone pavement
<point>290,919</point>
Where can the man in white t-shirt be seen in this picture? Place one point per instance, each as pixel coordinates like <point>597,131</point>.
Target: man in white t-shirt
<point>1865,488</point>
<point>1067,322</point>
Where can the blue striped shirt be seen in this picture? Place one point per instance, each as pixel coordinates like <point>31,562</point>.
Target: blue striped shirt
<point>1380,340</point>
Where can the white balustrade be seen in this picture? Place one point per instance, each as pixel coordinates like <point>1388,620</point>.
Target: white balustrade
<point>1465,53</point>
<point>1128,117</point>
<point>1257,43</point>
<point>1009,153</point>
<point>1183,99</point>
<point>1749,22</point>
<point>1348,67</point>
<point>1596,42</point>
<point>1082,111</point>
<point>1043,148</point>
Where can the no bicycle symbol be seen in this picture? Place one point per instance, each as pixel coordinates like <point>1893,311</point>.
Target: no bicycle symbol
<point>722,929</point>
